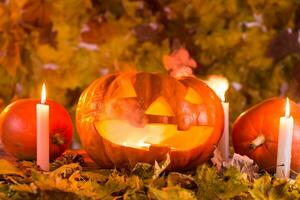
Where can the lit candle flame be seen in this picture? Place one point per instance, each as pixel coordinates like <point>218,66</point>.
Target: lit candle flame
<point>43,96</point>
<point>219,84</point>
<point>287,108</point>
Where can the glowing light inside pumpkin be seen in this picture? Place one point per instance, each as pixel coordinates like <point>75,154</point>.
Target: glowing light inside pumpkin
<point>219,84</point>
<point>287,108</point>
<point>123,133</point>
<point>139,144</point>
<point>43,96</point>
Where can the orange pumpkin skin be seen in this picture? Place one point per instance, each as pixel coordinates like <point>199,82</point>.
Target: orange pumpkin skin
<point>255,133</point>
<point>98,98</point>
<point>18,129</point>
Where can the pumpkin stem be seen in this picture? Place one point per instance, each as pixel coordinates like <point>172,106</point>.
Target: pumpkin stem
<point>260,140</point>
<point>57,139</point>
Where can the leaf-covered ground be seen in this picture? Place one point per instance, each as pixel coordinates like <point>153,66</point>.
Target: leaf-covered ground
<point>70,43</point>
<point>69,178</point>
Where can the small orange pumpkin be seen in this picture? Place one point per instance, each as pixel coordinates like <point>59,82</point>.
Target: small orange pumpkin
<point>18,129</point>
<point>255,133</point>
<point>134,117</point>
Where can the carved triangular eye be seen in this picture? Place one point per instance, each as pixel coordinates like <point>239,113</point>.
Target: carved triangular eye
<point>192,96</point>
<point>160,107</point>
<point>125,89</point>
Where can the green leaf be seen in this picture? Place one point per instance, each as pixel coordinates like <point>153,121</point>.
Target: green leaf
<point>135,183</point>
<point>261,187</point>
<point>182,180</point>
<point>212,185</point>
<point>149,56</point>
<point>65,171</point>
<point>174,193</point>
<point>130,195</point>
<point>207,181</point>
<point>131,8</point>
<point>97,176</point>
<point>278,189</point>
<point>115,184</point>
<point>143,170</point>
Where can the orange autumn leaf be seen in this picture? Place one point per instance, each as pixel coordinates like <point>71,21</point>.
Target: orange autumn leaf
<point>179,63</point>
<point>98,31</point>
<point>10,56</point>
<point>37,13</point>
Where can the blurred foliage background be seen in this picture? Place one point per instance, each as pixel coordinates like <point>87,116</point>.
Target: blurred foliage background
<point>68,44</point>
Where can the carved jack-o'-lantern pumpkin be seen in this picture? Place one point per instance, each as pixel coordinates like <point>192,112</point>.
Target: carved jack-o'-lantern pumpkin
<point>133,117</point>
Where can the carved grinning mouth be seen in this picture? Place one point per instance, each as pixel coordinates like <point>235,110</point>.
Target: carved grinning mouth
<point>121,132</point>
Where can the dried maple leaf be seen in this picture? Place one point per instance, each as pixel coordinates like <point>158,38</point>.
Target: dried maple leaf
<point>217,159</point>
<point>179,63</point>
<point>143,170</point>
<point>37,13</point>
<point>98,31</point>
<point>184,181</point>
<point>244,164</point>
<point>285,43</point>
<point>65,171</point>
<point>149,33</point>
<point>7,168</point>
<point>183,71</point>
<point>10,50</point>
<point>158,169</point>
<point>67,158</point>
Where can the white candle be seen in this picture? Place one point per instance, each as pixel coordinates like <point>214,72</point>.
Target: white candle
<point>224,141</point>
<point>42,132</point>
<point>284,148</point>
<point>220,85</point>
